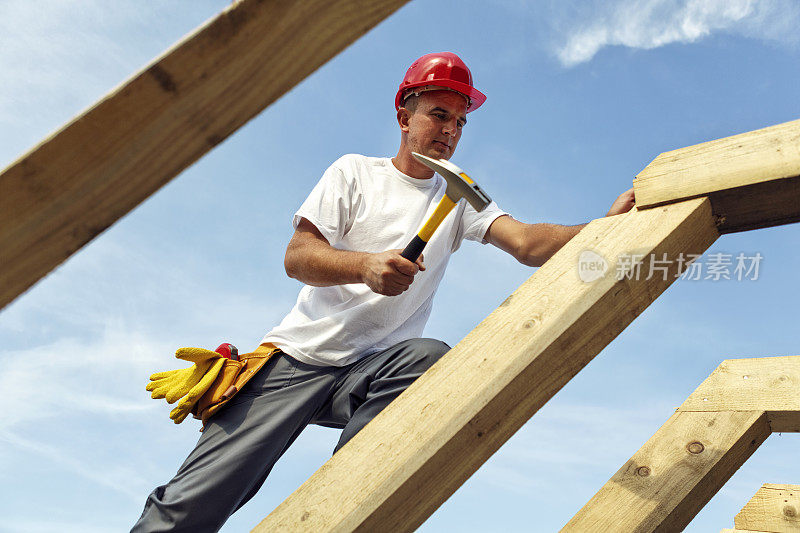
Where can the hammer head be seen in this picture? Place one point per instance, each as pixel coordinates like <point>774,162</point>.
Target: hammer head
<point>459,185</point>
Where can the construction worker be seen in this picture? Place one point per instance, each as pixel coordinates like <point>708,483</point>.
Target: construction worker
<point>351,343</point>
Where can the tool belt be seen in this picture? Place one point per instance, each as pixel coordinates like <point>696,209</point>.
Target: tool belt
<point>231,379</point>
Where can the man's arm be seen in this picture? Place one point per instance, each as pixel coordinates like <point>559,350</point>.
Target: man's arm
<point>312,260</point>
<point>534,244</point>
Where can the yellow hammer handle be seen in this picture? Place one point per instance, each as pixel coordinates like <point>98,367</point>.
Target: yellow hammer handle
<point>442,210</point>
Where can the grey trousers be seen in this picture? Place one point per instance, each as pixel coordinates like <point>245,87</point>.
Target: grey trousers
<point>242,442</point>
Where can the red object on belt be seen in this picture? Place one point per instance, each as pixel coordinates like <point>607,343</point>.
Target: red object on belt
<point>228,351</point>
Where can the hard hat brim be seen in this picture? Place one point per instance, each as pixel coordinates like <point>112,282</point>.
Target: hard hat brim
<point>476,98</point>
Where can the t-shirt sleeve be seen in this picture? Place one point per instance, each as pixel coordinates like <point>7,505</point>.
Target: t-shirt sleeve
<point>474,225</point>
<point>329,205</point>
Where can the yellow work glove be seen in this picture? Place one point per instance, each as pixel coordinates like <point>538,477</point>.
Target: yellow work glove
<point>190,382</point>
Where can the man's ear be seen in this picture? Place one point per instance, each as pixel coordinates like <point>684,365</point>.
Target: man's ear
<point>403,116</point>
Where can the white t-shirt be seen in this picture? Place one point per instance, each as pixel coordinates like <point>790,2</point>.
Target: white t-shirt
<point>365,204</point>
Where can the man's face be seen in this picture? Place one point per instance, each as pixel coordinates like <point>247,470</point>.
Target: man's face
<point>434,128</point>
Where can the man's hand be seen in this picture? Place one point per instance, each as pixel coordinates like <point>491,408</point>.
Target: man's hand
<point>312,260</point>
<point>389,273</point>
<point>622,204</point>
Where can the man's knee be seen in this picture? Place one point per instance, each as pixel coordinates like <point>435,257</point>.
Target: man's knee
<point>427,351</point>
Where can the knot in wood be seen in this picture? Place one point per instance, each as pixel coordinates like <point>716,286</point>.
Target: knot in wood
<point>643,471</point>
<point>695,447</point>
<point>528,324</point>
<point>789,511</point>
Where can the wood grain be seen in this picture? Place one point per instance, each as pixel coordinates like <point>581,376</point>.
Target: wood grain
<point>422,447</point>
<point>80,180</point>
<point>752,179</point>
<point>774,508</point>
<point>770,384</point>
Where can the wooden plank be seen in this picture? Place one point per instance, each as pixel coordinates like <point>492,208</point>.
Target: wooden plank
<point>774,508</point>
<point>769,384</point>
<point>757,206</point>
<point>741,531</point>
<point>784,421</point>
<point>666,483</point>
<point>84,177</point>
<point>752,179</point>
<point>422,447</point>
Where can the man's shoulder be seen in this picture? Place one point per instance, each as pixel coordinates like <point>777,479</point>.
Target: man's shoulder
<point>354,164</point>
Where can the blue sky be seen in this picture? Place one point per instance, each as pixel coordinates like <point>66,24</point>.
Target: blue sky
<point>581,96</point>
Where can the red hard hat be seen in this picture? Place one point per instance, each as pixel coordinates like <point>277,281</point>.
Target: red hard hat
<point>443,69</point>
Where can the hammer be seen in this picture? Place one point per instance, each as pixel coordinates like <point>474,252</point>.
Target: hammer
<point>459,186</point>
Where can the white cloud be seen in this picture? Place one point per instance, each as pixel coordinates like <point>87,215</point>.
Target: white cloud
<point>71,378</point>
<point>44,525</point>
<point>648,24</point>
<point>116,477</point>
<point>117,342</point>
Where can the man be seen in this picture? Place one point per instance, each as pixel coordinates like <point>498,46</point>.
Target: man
<point>351,343</point>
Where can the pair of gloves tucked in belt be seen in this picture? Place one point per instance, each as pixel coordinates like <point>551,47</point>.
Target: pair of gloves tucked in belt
<point>189,383</point>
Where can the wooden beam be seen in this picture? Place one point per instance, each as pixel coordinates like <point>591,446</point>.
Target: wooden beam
<point>774,508</point>
<point>666,483</point>
<point>769,384</point>
<point>95,169</point>
<point>752,179</point>
<point>425,444</point>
